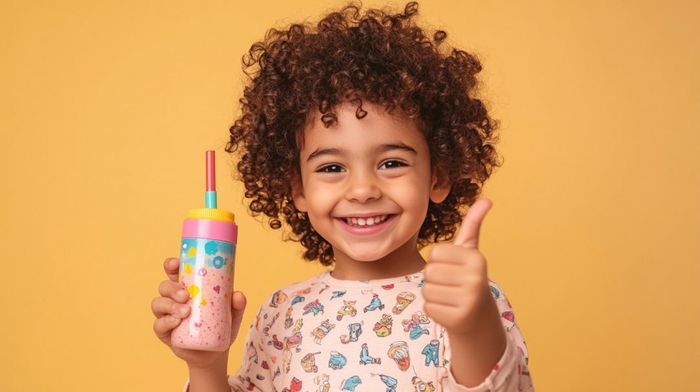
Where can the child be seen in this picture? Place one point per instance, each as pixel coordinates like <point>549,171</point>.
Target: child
<point>366,140</point>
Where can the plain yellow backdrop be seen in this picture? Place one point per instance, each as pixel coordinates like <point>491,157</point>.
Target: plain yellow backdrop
<point>107,107</point>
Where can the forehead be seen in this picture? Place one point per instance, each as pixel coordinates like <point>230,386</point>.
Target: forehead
<point>376,127</point>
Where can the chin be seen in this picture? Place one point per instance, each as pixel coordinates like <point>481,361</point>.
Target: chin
<point>366,256</point>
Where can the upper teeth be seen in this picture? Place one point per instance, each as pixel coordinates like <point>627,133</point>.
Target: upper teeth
<point>366,221</point>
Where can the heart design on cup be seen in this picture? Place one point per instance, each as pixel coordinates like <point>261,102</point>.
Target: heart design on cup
<point>217,288</point>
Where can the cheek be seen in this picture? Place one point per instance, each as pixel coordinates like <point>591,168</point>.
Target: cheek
<point>320,199</point>
<point>413,195</point>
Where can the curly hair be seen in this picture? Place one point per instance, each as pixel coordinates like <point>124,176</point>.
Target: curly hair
<point>380,57</point>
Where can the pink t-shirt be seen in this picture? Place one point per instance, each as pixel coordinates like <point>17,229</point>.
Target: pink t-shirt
<point>325,334</point>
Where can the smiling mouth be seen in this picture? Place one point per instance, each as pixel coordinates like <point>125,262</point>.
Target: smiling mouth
<point>366,222</point>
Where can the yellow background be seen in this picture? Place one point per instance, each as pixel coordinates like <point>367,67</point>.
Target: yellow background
<point>107,107</point>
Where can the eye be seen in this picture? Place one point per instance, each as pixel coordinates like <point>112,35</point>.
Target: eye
<point>393,163</point>
<point>333,168</point>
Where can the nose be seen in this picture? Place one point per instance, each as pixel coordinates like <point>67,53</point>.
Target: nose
<point>362,187</point>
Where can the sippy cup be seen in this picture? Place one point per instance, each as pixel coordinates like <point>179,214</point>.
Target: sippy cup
<point>206,268</point>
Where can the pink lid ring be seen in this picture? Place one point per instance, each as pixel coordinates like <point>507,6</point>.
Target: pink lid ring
<point>210,229</point>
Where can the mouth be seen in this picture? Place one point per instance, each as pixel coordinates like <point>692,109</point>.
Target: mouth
<point>366,225</point>
<point>365,221</point>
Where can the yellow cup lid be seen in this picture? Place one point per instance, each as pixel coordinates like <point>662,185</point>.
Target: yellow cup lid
<point>211,213</point>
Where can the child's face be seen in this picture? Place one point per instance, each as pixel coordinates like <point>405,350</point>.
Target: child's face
<point>352,170</point>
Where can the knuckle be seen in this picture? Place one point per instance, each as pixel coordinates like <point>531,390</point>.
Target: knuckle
<point>163,288</point>
<point>157,325</point>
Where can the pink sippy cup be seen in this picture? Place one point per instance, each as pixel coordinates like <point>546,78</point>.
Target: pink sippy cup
<point>206,268</point>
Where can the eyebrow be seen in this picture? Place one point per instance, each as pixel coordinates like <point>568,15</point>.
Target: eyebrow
<point>382,148</point>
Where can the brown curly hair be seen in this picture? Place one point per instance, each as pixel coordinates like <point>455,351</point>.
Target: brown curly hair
<point>383,58</point>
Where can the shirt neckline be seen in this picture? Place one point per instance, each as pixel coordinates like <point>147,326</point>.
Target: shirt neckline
<point>327,278</point>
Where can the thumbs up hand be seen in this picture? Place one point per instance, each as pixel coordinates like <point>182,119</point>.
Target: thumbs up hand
<point>456,290</point>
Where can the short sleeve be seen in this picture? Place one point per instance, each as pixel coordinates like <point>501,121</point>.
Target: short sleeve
<point>510,374</point>
<point>254,373</point>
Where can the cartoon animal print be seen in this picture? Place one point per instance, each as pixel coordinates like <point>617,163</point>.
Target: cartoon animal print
<point>350,384</point>
<point>322,330</point>
<point>293,342</point>
<point>421,386</point>
<point>354,331</point>
<point>314,307</point>
<point>338,294</point>
<point>298,325</point>
<point>375,303</point>
<point>348,309</point>
<point>288,318</point>
<point>278,297</point>
<point>337,360</point>
<point>389,381</point>
<point>322,381</point>
<point>308,362</point>
<point>294,386</point>
<point>366,359</point>
<point>414,327</point>
<point>383,327</point>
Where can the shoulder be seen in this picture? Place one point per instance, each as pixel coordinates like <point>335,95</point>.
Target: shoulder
<point>284,294</point>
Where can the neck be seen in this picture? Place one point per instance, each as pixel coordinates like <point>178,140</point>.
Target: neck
<point>405,260</point>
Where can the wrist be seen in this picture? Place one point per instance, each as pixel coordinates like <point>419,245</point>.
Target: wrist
<point>212,377</point>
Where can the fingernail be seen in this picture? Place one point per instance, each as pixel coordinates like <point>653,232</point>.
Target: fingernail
<point>181,293</point>
<point>183,309</point>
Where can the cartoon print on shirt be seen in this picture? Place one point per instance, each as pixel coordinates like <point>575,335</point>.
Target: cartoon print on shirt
<point>337,360</point>
<point>413,325</point>
<point>376,303</point>
<point>294,386</point>
<point>288,320</point>
<point>293,342</point>
<point>383,327</point>
<point>285,346</point>
<point>278,297</point>
<point>324,288</point>
<point>252,353</point>
<point>508,320</point>
<point>366,359</point>
<point>338,294</point>
<point>276,343</point>
<point>402,301</point>
<point>431,352</point>
<point>348,309</point>
<point>308,362</point>
<point>351,383</point>
<point>398,351</point>
<point>322,330</point>
<point>267,327</point>
<point>421,386</point>
<point>314,307</point>
<point>322,381</point>
<point>298,325</point>
<point>286,360</point>
<point>355,330</point>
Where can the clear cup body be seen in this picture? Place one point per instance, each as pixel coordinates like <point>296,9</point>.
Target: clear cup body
<point>206,269</point>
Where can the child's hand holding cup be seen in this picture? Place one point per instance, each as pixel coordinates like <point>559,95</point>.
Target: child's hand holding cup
<point>167,309</point>
<point>198,313</point>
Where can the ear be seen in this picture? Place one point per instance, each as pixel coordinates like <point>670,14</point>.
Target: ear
<point>439,185</point>
<point>298,193</point>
